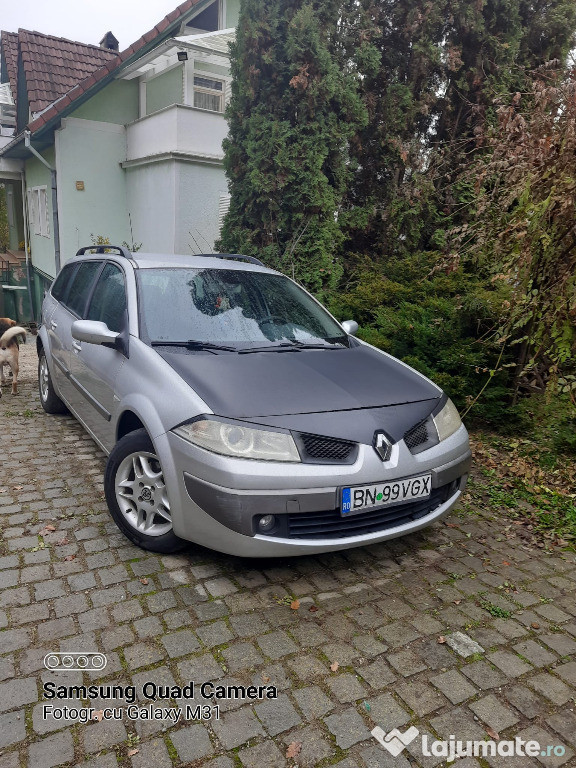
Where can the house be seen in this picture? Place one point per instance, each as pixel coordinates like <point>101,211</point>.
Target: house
<point>124,146</point>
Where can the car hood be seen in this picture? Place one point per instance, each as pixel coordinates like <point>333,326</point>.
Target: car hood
<point>260,385</point>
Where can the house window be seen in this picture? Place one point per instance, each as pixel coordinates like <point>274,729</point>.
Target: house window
<point>208,93</point>
<point>38,211</point>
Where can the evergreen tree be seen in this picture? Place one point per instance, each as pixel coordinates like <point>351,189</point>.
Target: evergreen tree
<point>293,110</point>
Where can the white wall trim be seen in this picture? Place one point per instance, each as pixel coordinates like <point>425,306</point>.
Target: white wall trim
<point>94,125</point>
<point>163,157</point>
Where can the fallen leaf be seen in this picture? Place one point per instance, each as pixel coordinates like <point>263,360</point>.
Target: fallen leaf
<point>457,602</point>
<point>70,557</point>
<point>441,639</point>
<point>313,608</point>
<point>144,581</point>
<point>493,734</point>
<point>294,749</point>
<point>295,604</point>
<point>98,715</point>
<point>265,679</point>
<point>451,525</point>
<point>535,625</point>
<point>46,529</point>
<point>334,666</point>
<point>17,488</point>
<point>132,752</point>
<point>505,562</point>
<point>62,543</point>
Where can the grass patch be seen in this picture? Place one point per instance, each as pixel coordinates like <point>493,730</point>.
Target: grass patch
<point>495,610</point>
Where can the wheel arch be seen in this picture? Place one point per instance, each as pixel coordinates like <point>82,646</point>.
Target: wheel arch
<point>129,422</point>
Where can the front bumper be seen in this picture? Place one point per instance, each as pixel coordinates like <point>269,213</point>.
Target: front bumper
<point>219,499</point>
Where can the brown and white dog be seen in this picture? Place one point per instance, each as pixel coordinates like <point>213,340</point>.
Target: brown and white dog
<point>9,350</point>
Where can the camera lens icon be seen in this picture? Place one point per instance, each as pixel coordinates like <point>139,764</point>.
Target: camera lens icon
<point>71,661</point>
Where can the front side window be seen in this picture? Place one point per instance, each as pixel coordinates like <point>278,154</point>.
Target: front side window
<point>108,302</point>
<point>81,286</point>
<point>61,283</point>
<point>232,307</point>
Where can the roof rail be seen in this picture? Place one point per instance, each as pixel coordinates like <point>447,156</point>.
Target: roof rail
<point>236,257</point>
<point>105,249</point>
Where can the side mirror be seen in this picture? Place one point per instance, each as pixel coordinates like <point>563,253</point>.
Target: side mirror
<point>351,327</point>
<point>95,332</point>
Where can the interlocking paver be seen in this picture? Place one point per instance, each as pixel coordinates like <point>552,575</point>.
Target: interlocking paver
<point>236,728</point>
<point>277,715</point>
<point>51,751</point>
<point>493,713</point>
<point>12,728</point>
<point>550,687</point>
<point>348,728</point>
<point>191,743</point>
<point>313,702</point>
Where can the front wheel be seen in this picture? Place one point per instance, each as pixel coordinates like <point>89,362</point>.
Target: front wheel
<point>48,397</point>
<point>137,496</point>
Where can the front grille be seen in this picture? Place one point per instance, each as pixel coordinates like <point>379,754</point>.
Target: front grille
<point>416,436</point>
<point>330,524</point>
<point>326,450</point>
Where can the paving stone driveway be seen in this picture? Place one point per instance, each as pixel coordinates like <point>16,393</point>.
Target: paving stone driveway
<point>377,612</point>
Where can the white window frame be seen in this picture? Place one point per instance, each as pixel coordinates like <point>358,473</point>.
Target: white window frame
<point>38,211</point>
<point>223,94</point>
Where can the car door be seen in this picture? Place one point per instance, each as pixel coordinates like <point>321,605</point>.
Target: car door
<point>70,309</point>
<point>94,368</point>
<point>53,318</point>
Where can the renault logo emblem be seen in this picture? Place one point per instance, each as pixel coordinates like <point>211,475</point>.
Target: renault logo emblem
<point>382,445</point>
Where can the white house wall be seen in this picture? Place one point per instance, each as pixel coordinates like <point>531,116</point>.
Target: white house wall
<point>90,153</point>
<point>152,204</point>
<point>174,205</point>
<point>199,188</point>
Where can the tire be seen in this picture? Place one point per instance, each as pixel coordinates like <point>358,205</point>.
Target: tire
<point>48,397</point>
<point>133,468</point>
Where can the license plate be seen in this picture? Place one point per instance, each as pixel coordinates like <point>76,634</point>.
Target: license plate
<point>362,497</point>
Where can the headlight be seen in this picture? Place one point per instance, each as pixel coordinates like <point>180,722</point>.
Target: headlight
<point>447,421</point>
<point>240,442</point>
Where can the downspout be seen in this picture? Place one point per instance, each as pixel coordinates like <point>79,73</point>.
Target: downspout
<point>28,265</point>
<point>54,199</point>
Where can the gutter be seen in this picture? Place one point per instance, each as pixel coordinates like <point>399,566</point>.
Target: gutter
<point>55,224</point>
<point>26,247</point>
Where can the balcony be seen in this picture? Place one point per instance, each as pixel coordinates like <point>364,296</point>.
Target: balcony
<point>177,130</point>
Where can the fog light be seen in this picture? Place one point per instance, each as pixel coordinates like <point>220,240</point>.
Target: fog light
<point>266,523</point>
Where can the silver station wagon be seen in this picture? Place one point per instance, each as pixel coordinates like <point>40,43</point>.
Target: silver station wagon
<point>237,413</point>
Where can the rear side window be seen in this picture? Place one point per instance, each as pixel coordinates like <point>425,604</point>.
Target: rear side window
<point>81,286</point>
<point>108,303</point>
<point>62,281</point>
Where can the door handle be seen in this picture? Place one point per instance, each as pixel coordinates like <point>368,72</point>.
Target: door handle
<point>53,325</point>
<point>77,346</point>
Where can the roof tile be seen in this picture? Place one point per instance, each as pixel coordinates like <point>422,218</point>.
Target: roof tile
<point>53,65</point>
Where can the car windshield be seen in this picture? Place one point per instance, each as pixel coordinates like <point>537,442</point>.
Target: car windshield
<point>237,308</point>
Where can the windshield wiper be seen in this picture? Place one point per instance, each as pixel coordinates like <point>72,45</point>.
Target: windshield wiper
<point>193,344</point>
<point>290,346</point>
